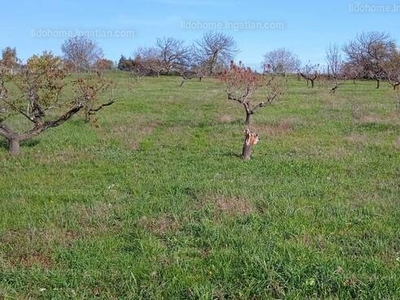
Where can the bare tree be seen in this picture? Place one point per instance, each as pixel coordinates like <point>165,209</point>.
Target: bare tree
<point>370,50</point>
<point>43,96</point>
<point>188,74</point>
<point>81,52</point>
<point>281,61</point>
<point>194,68</point>
<point>391,69</point>
<point>241,83</point>
<point>351,71</point>
<point>150,60</point>
<point>215,49</point>
<point>310,73</point>
<point>334,60</point>
<point>103,64</point>
<point>335,64</point>
<point>174,54</point>
<point>168,56</point>
<point>9,59</point>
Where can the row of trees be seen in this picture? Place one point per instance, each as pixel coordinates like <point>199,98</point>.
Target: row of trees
<point>372,55</point>
<point>80,54</point>
<point>41,92</point>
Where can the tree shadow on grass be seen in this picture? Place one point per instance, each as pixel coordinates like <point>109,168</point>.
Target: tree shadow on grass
<point>201,123</point>
<point>232,154</point>
<point>30,143</point>
<point>25,144</point>
<point>4,144</point>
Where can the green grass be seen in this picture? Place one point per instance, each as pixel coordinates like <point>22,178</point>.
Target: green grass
<point>156,204</point>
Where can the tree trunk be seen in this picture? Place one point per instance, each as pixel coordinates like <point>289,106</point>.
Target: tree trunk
<point>378,83</point>
<point>336,86</point>
<point>248,118</point>
<point>250,139</point>
<point>14,146</point>
<point>14,139</point>
<point>312,83</point>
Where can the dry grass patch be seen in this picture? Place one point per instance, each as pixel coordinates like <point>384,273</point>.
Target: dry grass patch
<point>369,118</point>
<point>313,242</point>
<point>160,225</point>
<point>357,138</point>
<point>34,247</point>
<point>361,139</point>
<point>389,118</point>
<point>64,156</point>
<point>283,127</point>
<point>132,136</point>
<point>226,118</point>
<point>396,143</point>
<point>95,219</point>
<point>326,152</point>
<point>231,206</point>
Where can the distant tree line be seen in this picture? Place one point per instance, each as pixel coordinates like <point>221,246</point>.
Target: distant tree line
<point>206,57</point>
<point>370,55</point>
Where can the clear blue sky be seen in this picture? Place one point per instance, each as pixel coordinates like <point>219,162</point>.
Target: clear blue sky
<point>307,28</point>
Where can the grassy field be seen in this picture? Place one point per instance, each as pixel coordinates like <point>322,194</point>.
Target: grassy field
<point>156,204</point>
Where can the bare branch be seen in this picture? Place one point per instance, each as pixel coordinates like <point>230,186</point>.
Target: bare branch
<point>92,111</point>
<point>215,50</point>
<point>12,106</point>
<point>231,97</point>
<point>241,84</point>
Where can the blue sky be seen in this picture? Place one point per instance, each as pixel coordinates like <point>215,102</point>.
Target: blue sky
<point>306,28</point>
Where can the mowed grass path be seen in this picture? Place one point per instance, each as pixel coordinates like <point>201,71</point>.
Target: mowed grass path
<point>156,204</point>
